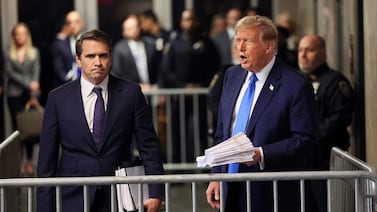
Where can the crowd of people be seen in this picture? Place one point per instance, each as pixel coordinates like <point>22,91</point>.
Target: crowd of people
<point>292,86</point>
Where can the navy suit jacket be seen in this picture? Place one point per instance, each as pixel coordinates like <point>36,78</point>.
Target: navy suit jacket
<point>283,122</point>
<point>124,65</point>
<point>62,59</point>
<point>65,126</point>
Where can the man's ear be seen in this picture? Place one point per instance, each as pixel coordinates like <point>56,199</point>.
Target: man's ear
<point>270,47</point>
<point>78,61</point>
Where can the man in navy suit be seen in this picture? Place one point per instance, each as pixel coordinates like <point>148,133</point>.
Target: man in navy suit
<point>282,121</point>
<point>62,57</point>
<point>69,122</point>
<point>63,50</point>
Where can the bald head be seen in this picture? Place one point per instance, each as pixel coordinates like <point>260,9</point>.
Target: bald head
<point>131,28</point>
<point>188,20</point>
<point>232,16</point>
<point>311,53</point>
<point>74,22</point>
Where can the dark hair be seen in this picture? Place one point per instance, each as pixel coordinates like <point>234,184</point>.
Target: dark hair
<point>149,14</point>
<point>256,10</point>
<point>96,35</point>
<point>282,31</point>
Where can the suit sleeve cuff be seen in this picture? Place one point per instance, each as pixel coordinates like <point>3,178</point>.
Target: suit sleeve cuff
<point>261,162</point>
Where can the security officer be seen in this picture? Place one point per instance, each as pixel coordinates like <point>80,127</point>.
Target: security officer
<point>334,96</point>
<point>189,61</point>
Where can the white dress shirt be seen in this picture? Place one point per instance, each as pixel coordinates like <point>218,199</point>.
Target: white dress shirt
<point>140,56</point>
<point>262,77</point>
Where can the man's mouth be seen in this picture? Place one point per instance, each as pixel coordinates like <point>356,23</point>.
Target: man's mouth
<point>242,58</point>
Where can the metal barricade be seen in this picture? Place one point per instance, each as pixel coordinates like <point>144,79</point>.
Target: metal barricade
<point>9,140</point>
<point>344,195</point>
<point>359,180</point>
<point>350,181</point>
<point>30,183</point>
<point>182,120</point>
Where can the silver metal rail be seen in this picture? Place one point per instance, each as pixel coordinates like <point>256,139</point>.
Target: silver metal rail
<point>274,177</point>
<point>344,194</point>
<point>167,100</point>
<point>9,140</point>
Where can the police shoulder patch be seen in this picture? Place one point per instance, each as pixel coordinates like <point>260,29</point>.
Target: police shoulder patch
<point>345,88</point>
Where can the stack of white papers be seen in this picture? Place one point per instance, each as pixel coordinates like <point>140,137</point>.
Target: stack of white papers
<point>236,149</point>
<point>128,194</point>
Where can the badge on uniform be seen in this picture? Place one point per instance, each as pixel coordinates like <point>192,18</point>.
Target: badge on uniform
<point>315,87</point>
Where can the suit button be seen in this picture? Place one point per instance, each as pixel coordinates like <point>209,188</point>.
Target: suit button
<point>100,158</point>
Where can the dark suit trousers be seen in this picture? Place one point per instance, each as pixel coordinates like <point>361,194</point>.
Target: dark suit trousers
<point>236,197</point>
<point>101,201</point>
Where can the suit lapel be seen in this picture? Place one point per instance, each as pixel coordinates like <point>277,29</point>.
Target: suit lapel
<point>234,88</point>
<point>269,89</point>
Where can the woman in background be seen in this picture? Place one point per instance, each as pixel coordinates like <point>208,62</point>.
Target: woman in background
<point>22,70</point>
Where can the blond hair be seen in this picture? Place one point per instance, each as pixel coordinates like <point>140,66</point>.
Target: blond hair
<point>268,28</point>
<point>31,51</point>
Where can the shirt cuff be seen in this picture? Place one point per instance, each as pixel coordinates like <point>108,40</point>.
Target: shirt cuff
<point>261,162</point>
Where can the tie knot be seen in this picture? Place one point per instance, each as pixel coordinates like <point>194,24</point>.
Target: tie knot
<point>98,91</point>
<point>253,77</point>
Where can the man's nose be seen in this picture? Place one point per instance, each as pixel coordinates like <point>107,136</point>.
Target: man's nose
<point>241,46</point>
<point>97,60</point>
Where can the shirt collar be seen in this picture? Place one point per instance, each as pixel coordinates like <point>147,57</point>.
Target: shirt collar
<point>263,74</point>
<point>87,87</point>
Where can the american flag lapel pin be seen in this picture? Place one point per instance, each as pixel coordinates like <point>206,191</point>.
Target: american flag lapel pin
<point>271,87</point>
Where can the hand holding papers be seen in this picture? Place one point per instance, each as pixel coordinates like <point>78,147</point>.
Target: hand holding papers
<point>128,194</point>
<point>237,149</point>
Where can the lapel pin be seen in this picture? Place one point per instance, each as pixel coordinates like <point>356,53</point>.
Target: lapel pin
<point>271,87</point>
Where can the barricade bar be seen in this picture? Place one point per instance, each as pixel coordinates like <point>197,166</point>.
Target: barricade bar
<point>9,140</point>
<point>176,91</point>
<point>350,159</point>
<point>187,178</point>
<point>356,194</point>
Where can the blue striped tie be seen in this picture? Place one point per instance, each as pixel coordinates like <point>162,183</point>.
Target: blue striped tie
<point>243,115</point>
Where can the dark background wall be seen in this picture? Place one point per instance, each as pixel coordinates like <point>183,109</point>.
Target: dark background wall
<point>44,18</point>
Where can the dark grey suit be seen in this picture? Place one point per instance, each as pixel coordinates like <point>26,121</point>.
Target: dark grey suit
<point>124,65</point>
<point>223,43</point>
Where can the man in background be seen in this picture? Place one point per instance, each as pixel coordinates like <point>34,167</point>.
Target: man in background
<point>151,28</point>
<point>189,61</point>
<point>224,39</point>
<point>134,56</point>
<point>63,49</point>
<point>333,94</point>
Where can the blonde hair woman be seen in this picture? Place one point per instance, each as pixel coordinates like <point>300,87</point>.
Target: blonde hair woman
<point>22,69</point>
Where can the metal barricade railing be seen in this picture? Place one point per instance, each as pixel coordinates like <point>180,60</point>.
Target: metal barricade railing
<point>9,140</point>
<point>31,183</point>
<point>350,182</point>
<point>182,119</point>
<point>342,190</point>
